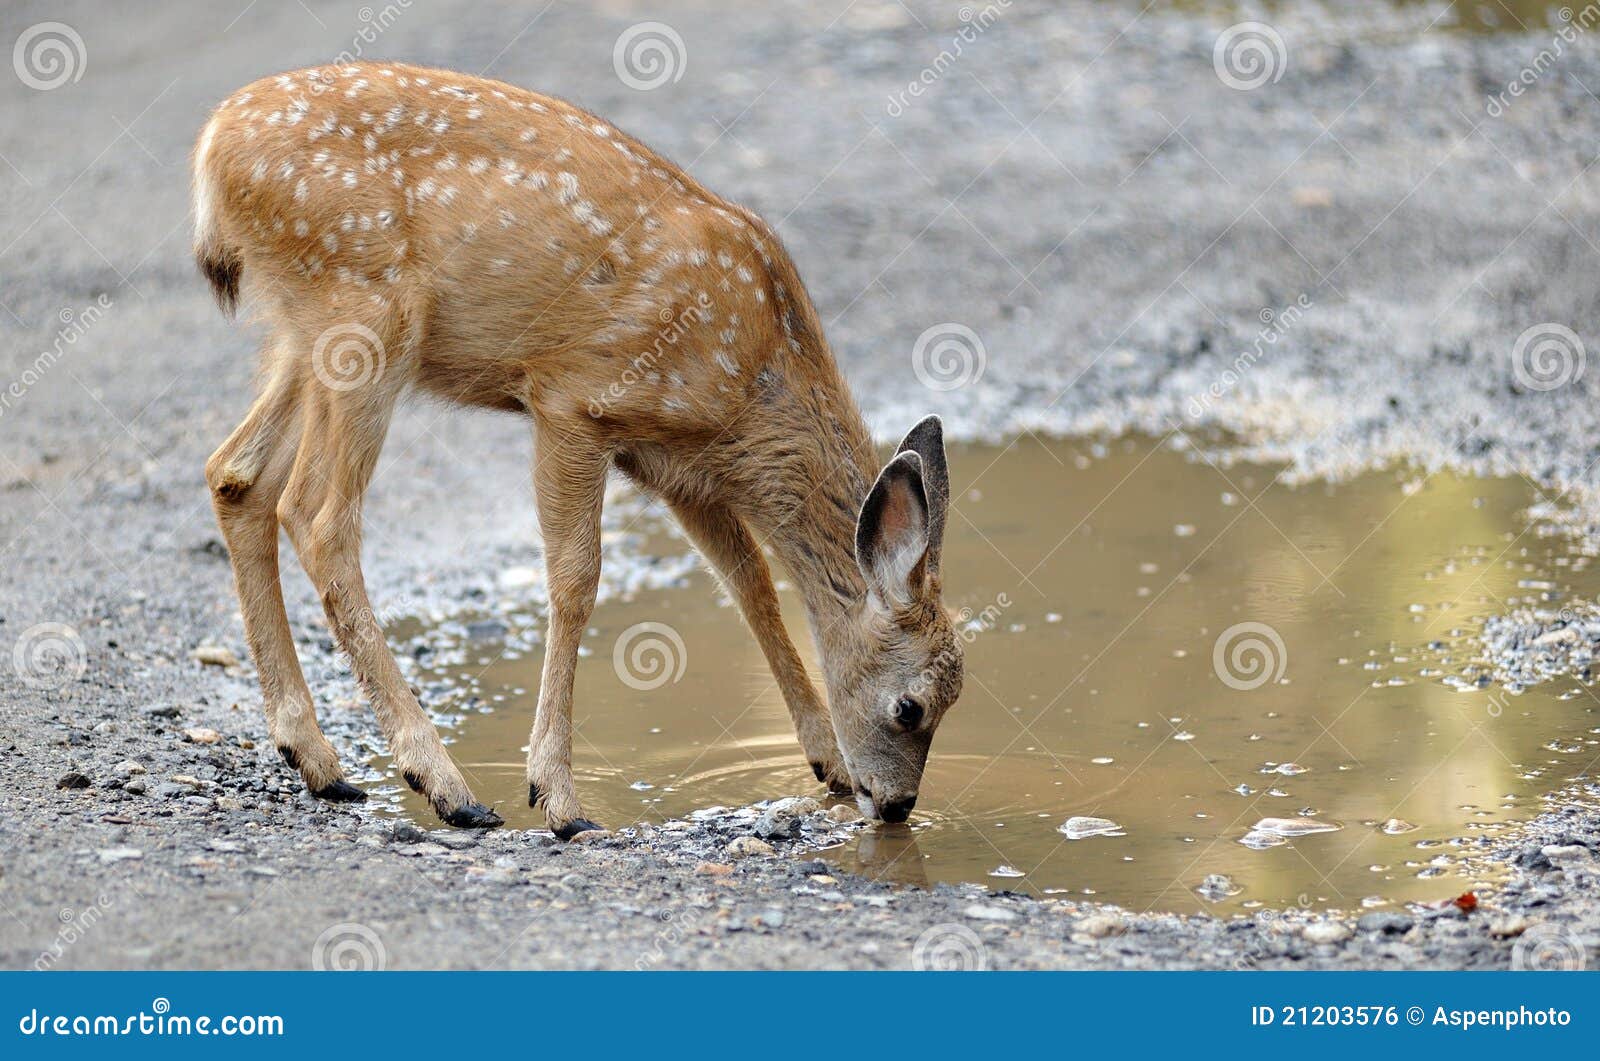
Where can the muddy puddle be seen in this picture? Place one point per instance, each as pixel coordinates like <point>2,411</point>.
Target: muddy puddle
<point>1188,686</point>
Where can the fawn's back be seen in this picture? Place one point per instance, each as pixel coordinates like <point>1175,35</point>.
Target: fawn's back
<point>509,249</point>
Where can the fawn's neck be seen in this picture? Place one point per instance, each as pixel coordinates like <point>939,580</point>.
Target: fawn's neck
<point>819,482</point>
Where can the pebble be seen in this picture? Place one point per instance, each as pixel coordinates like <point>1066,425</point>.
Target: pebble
<point>406,833</point>
<point>712,869</point>
<point>138,786</point>
<point>1388,922</point>
<point>202,735</point>
<point>215,656</point>
<point>1508,927</point>
<point>990,913</point>
<point>770,918</point>
<point>1099,926</point>
<point>1396,826</point>
<point>120,854</point>
<point>843,812</point>
<point>127,768</point>
<point>73,779</point>
<point>782,819</point>
<point>593,836</point>
<point>1217,887</point>
<point>1326,932</point>
<point>747,847</point>
<point>1081,827</point>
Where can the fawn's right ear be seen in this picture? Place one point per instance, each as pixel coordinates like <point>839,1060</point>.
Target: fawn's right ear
<point>892,533</point>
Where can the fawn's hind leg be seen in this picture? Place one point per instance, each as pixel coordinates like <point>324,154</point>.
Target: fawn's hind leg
<point>246,475</point>
<point>321,509</point>
<point>569,485</point>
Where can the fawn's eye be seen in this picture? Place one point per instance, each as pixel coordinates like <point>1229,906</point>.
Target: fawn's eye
<point>907,712</point>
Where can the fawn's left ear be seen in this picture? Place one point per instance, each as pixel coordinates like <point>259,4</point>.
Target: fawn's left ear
<point>926,440</point>
<point>892,533</point>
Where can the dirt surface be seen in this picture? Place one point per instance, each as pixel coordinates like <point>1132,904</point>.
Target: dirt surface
<point>1079,188</point>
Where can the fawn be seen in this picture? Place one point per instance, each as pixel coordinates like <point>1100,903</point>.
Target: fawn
<point>406,229</point>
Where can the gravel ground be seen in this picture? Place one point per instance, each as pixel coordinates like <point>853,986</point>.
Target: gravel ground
<point>1080,189</point>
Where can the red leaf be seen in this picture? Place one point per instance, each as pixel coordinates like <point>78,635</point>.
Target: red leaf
<point>1467,902</point>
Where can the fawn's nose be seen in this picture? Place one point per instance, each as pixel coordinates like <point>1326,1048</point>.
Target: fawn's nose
<point>898,810</point>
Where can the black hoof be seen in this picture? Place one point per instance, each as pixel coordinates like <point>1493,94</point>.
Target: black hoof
<point>340,791</point>
<point>576,826</point>
<point>473,816</point>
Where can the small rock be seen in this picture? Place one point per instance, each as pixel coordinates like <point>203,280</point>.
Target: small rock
<point>202,735</point>
<point>1099,926</point>
<point>1387,922</point>
<point>1326,932</point>
<point>73,779</point>
<point>487,630</point>
<point>1396,826</point>
<point>1559,853</point>
<point>455,840</point>
<point>1508,927</point>
<point>162,711</point>
<point>426,850</point>
<point>843,812</point>
<point>120,854</point>
<point>1082,827</point>
<point>215,656</point>
<point>138,786</point>
<point>228,803</point>
<point>1217,887</point>
<point>593,836</point>
<point>747,847</point>
<point>712,869</point>
<point>406,833</point>
<point>185,779</point>
<point>770,918</point>
<point>990,913</point>
<point>127,768</point>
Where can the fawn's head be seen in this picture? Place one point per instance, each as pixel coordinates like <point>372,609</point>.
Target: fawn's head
<point>906,670</point>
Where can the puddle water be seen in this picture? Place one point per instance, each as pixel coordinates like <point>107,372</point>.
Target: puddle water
<point>1187,687</point>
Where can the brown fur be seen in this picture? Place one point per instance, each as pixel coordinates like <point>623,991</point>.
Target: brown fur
<point>424,230</point>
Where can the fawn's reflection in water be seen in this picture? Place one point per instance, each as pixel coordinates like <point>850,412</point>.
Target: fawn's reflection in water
<point>886,853</point>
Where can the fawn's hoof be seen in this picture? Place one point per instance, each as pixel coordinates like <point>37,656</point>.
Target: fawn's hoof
<point>341,791</point>
<point>576,826</point>
<point>837,787</point>
<point>473,816</point>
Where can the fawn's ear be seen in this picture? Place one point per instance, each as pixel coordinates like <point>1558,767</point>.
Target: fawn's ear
<point>926,440</point>
<point>892,533</point>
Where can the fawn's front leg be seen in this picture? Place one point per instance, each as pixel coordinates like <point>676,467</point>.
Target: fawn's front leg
<point>569,481</point>
<point>729,547</point>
